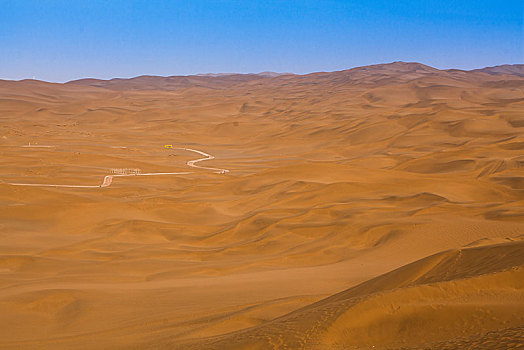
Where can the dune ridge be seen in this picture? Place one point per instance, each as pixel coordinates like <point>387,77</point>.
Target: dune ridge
<point>430,298</point>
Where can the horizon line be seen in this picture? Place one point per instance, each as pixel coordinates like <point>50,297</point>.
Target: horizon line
<point>222,74</point>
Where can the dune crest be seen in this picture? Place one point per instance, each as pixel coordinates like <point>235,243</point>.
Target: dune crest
<point>416,306</point>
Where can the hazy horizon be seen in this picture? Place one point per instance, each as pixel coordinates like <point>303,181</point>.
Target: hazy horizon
<point>254,73</point>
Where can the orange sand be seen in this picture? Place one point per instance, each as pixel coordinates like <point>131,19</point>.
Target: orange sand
<point>400,171</point>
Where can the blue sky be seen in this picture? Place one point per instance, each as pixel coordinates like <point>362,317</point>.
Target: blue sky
<point>61,40</point>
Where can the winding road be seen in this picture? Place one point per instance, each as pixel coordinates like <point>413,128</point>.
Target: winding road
<point>191,163</point>
<point>108,179</point>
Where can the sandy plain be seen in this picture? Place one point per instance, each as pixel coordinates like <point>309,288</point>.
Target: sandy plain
<point>379,207</point>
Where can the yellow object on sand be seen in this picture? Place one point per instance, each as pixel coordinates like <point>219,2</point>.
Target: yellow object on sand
<point>168,146</point>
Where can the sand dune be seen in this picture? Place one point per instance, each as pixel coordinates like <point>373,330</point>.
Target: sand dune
<point>400,171</point>
<point>448,296</point>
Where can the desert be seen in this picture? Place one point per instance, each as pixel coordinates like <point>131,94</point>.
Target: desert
<point>375,207</point>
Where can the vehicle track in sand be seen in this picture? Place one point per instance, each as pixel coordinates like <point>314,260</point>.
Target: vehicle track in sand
<point>108,179</point>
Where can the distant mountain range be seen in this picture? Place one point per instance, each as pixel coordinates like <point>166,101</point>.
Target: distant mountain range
<point>148,82</point>
<point>262,74</point>
<point>509,69</point>
<point>363,76</point>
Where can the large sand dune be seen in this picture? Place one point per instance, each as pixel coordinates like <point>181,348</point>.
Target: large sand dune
<point>449,295</point>
<point>400,171</point>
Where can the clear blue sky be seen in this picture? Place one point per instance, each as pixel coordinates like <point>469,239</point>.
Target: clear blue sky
<point>60,40</point>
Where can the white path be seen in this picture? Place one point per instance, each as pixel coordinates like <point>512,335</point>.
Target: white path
<point>108,179</point>
<point>37,146</point>
<point>191,163</point>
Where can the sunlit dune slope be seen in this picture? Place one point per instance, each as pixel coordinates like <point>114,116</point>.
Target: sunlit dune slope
<point>459,296</point>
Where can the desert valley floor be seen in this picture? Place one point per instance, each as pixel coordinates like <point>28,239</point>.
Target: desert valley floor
<point>378,207</point>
